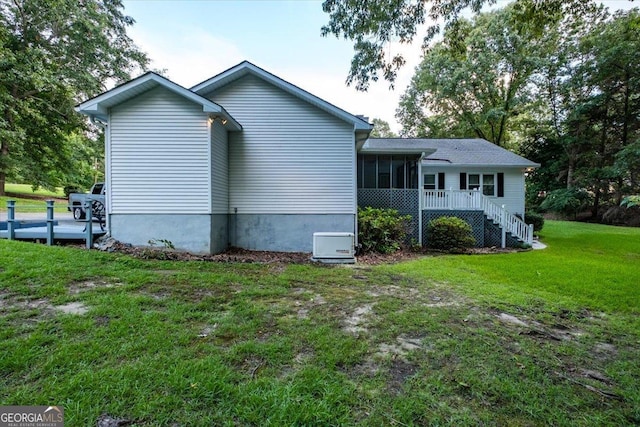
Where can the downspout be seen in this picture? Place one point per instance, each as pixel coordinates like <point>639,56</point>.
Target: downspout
<point>107,193</point>
<point>355,189</point>
<point>420,198</point>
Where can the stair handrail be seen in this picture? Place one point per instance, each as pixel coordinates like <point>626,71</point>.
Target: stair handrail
<point>475,200</point>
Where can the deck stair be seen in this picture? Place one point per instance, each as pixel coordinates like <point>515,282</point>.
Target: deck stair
<point>474,200</point>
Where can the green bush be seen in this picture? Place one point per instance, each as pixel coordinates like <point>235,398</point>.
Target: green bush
<point>534,218</point>
<point>68,189</point>
<point>449,232</point>
<point>567,201</point>
<point>381,230</point>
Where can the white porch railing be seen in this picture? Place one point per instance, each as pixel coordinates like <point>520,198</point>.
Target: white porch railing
<point>475,201</point>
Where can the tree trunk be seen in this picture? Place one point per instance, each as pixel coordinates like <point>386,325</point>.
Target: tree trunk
<point>4,153</point>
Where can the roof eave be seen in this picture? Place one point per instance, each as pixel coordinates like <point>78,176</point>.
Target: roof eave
<point>99,105</point>
<point>247,67</point>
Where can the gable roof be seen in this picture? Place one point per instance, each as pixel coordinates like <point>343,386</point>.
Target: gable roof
<point>247,68</point>
<point>450,152</point>
<point>98,106</point>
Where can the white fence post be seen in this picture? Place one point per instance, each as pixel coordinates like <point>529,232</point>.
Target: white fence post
<point>530,239</point>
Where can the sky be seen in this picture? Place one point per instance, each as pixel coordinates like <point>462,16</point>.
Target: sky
<point>193,40</point>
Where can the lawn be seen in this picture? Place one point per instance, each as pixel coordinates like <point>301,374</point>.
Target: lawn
<point>546,337</point>
<point>29,201</point>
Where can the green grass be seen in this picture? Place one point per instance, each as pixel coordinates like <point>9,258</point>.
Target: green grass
<point>416,343</point>
<point>28,200</point>
<point>27,189</point>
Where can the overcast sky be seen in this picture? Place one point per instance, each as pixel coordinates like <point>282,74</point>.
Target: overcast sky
<point>196,39</point>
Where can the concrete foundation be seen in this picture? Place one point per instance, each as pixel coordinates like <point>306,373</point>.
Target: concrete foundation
<point>284,233</point>
<point>191,233</point>
<point>219,233</point>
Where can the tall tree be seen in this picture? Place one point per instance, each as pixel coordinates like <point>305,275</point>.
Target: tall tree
<point>381,129</point>
<point>373,24</point>
<point>475,80</point>
<point>52,54</point>
<point>592,88</point>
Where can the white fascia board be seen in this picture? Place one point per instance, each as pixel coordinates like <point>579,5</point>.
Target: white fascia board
<point>427,152</point>
<point>247,67</point>
<point>444,163</point>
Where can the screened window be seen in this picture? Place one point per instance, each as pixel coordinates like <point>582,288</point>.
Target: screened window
<point>386,171</point>
<point>412,174</point>
<point>397,165</point>
<point>369,171</point>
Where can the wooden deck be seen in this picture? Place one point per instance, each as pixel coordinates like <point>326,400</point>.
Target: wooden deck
<point>60,232</point>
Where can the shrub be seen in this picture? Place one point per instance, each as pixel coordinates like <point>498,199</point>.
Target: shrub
<point>567,201</point>
<point>630,201</point>
<point>449,232</point>
<point>534,218</point>
<point>68,189</point>
<point>381,230</point>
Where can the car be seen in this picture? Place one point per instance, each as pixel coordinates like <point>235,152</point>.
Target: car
<point>77,202</point>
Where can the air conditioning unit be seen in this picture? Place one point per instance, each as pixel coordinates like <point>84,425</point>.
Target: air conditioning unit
<point>334,247</point>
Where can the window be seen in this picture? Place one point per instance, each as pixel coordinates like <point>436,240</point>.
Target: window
<point>488,185</point>
<point>484,182</point>
<point>474,182</point>
<point>430,182</point>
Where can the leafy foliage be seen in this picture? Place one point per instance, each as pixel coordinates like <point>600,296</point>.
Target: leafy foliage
<point>474,81</point>
<point>381,129</point>
<point>373,24</point>
<point>449,233</point>
<point>534,218</point>
<point>566,201</point>
<point>52,54</point>
<point>630,201</point>
<point>381,230</point>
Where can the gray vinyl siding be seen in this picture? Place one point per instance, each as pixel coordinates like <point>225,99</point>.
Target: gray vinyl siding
<point>219,169</point>
<point>159,155</point>
<point>290,158</point>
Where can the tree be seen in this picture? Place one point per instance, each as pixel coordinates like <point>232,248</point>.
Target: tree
<point>373,24</point>
<point>474,81</point>
<point>52,54</point>
<point>591,85</point>
<point>381,129</point>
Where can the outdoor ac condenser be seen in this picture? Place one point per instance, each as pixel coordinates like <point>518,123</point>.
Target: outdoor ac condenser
<point>329,246</point>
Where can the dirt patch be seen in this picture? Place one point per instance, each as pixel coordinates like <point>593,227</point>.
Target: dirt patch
<point>72,308</point>
<point>89,285</point>
<point>400,371</point>
<point>357,322</point>
<point>400,349</point>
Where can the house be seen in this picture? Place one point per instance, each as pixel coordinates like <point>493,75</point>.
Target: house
<point>427,178</point>
<point>249,160</point>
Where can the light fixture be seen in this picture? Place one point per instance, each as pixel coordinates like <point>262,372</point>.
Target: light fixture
<point>224,121</point>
